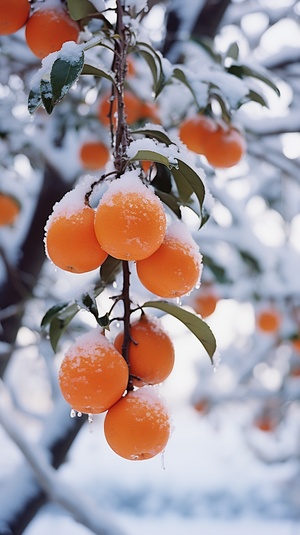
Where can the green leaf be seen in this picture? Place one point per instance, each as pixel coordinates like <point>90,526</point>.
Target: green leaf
<point>181,76</point>
<point>47,96</point>
<point>90,304</point>
<point>63,75</point>
<point>80,10</point>
<point>34,100</point>
<point>154,62</point>
<point>170,201</point>
<point>256,97</point>
<point>162,180</point>
<point>109,269</point>
<point>58,318</point>
<point>195,324</point>
<point>188,182</point>
<point>154,134</point>
<point>95,71</point>
<point>104,322</point>
<point>152,156</point>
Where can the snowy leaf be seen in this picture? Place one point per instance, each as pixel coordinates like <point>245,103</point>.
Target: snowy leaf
<point>154,134</point>
<point>180,75</point>
<point>170,201</point>
<point>47,95</point>
<point>242,71</point>
<point>155,64</point>
<point>257,97</point>
<point>109,269</point>
<point>34,100</point>
<point>80,10</point>
<point>63,74</point>
<point>90,303</point>
<point>95,71</point>
<point>193,322</point>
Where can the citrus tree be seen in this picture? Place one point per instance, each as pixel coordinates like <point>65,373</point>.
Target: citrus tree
<point>167,132</point>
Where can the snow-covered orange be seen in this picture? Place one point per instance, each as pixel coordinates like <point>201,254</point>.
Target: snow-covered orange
<point>174,269</point>
<point>138,426</point>
<point>130,221</point>
<point>93,375</point>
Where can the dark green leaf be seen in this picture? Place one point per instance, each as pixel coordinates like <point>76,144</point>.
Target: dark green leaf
<point>218,271</point>
<point>58,318</point>
<point>95,71</point>
<point>195,324</point>
<point>104,321</point>
<point>109,269</point>
<point>188,182</point>
<point>256,97</point>
<point>90,304</point>
<point>170,201</point>
<point>47,96</point>
<point>154,62</point>
<point>63,75</point>
<point>80,9</point>
<point>162,180</point>
<point>34,101</point>
<point>180,75</point>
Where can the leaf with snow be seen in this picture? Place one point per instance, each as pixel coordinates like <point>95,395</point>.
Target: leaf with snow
<point>242,71</point>
<point>153,156</point>
<point>193,322</point>
<point>189,182</point>
<point>47,95</point>
<point>64,73</point>
<point>34,100</point>
<point>95,71</point>
<point>154,61</point>
<point>159,135</point>
<point>198,89</point>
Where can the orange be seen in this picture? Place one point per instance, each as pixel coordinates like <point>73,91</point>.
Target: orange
<point>93,375</point>
<point>194,130</point>
<point>137,427</point>
<point>48,29</point>
<point>296,344</point>
<point>93,155</point>
<point>265,423</point>
<point>175,267</point>
<point>205,302</point>
<point>13,15</point>
<point>70,237</point>
<point>268,320</point>
<point>135,109</point>
<point>130,222</point>
<point>151,352</point>
<point>9,209</point>
<point>224,147</point>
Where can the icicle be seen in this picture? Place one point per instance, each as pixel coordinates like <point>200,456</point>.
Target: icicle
<point>72,413</point>
<point>90,420</point>
<point>162,458</point>
<point>79,414</point>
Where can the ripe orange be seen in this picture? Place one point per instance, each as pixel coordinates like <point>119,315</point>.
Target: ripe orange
<point>93,375</point>
<point>224,147</point>
<point>137,427</point>
<point>48,29</point>
<point>268,320</point>
<point>194,130</point>
<point>13,15</point>
<point>205,302</point>
<point>70,237</point>
<point>265,423</point>
<point>130,222</point>
<point>135,108</point>
<point>9,209</point>
<point>151,352</point>
<point>175,267</point>
<point>93,155</point>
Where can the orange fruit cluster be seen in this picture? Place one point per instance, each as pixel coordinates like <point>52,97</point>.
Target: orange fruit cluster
<point>9,209</point>
<point>222,145</point>
<point>93,379</point>
<point>129,223</point>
